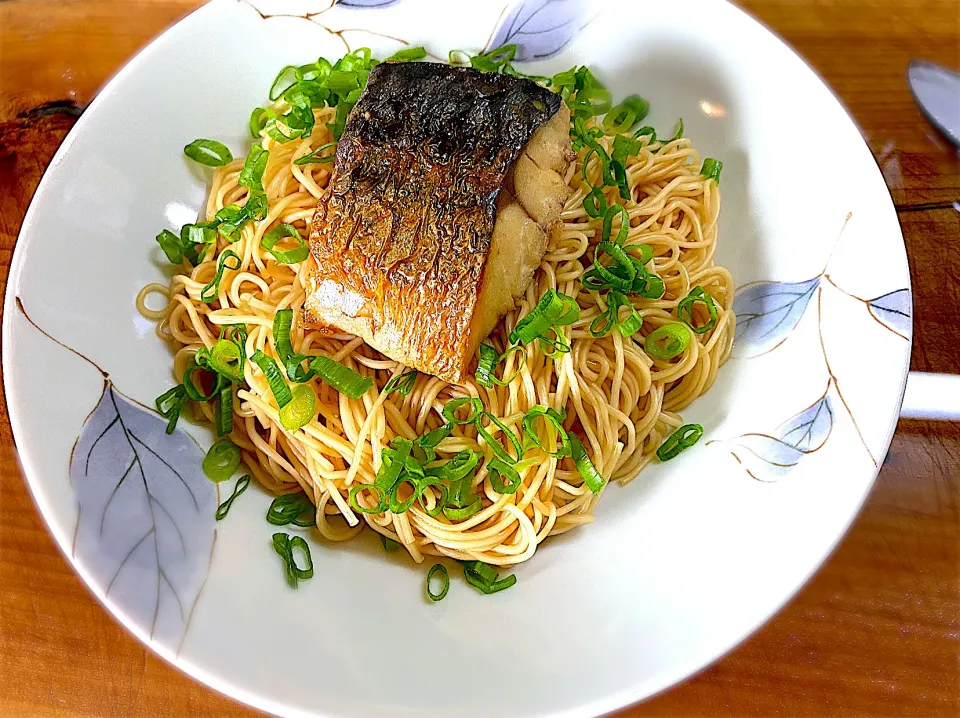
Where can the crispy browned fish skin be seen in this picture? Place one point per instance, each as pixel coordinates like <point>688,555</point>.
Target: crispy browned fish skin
<point>401,242</point>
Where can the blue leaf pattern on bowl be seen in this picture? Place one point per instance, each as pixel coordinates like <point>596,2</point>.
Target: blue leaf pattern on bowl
<point>810,429</point>
<point>539,28</point>
<point>767,457</point>
<point>767,312</point>
<point>146,526</point>
<point>893,310</point>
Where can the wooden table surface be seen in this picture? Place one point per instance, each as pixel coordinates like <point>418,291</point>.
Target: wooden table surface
<point>875,633</point>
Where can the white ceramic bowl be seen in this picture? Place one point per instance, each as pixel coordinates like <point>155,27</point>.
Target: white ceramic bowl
<point>679,567</point>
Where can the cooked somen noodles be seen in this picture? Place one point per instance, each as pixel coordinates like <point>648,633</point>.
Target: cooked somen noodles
<point>614,390</point>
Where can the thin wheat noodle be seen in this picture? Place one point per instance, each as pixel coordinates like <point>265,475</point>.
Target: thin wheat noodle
<point>619,402</point>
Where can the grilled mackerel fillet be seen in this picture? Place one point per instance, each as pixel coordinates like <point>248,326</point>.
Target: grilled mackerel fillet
<point>446,184</point>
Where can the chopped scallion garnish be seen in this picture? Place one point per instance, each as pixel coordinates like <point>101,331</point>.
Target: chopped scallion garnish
<point>437,571</point>
<point>685,308</point>
<point>281,392</point>
<point>667,342</point>
<point>296,509</point>
<point>221,460</point>
<point>588,472</point>
<point>711,169</point>
<point>285,545</point>
<point>238,488</point>
<point>210,292</point>
<point>680,440</point>
<point>208,152</point>
<point>294,255</point>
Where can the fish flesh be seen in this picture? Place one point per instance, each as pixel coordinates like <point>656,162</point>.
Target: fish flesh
<point>446,184</point>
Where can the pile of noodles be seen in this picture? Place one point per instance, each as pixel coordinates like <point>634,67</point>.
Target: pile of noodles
<point>617,400</point>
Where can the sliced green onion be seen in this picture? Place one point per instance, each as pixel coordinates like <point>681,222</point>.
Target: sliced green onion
<point>484,578</point>
<point>226,358</point>
<point>696,296</point>
<point>208,152</point>
<point>680,440</point>
<point>316,157</point>
<point>389,544</point>
<point>257,121</point>
<point>588,472</point>
<point>190,385</point>
<point>199,233</point>
<point>553,419</point>
<point>667,342</point>
<point>554,308</point>
<point>410,54</point>
<point>284,79</point>
<point>460,492</point>
<point>170,244</point>
<point>238,488</point>
<point>382,500</point>
<point>424,445</point>
<point>648,132</point>
<point>251,176</point>
<point>396,506</point>
<point>624,116</point>
<point>392,463</point>
<point>463,513</point>
<point>438,570</point>
<point>281,392</point>
<point>300,410</point>
<point>677,132</point>
<point>170,405</point>
<point>482,571</point>
<point>607,226</point>
<point>401,383</point>
<point>486,364</point>
<point>342,82</point>
<point>711,169</point>
<point>488,361</point>
<point>231,220</point>
<point>503,477</point>
<point>221,460</point>
<point>619,275</point>
<point>282,324</point>
<point>210,292</point>
<point>624,147</point>
<point>223,413</point>
<point>285,545</point>
<point>450,410</point>
<point>257,205</point>
<point>342,378</point>
<point>291,256</point>
<point>595,203</point>
<point>646,253</point>
<point>497,447</point>
<point>433,482</point>
<point>610,319</point>
<point>458,467</point>
<point>290,508</point>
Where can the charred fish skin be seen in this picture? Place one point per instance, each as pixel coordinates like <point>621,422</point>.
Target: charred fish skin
<point>400,241</point>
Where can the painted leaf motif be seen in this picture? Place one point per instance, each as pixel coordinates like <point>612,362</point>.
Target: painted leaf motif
<point>893,311</point>
<point>765,457</point>
<point>767,312</point>
<point>146,525</point>
<point>810,429</point>
<point>539,28</point>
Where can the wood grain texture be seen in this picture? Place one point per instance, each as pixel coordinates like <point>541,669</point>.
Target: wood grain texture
<point>875,633</point>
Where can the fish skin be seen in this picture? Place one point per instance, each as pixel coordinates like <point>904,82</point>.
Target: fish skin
<point>400,240</point>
